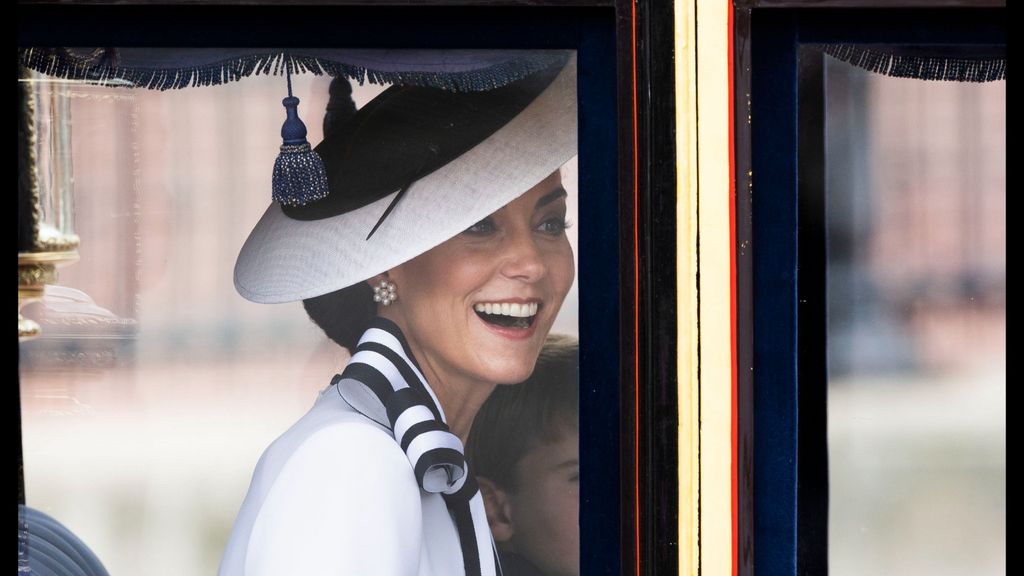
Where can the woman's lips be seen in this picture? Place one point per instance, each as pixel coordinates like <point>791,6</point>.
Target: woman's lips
<point>510,319</point>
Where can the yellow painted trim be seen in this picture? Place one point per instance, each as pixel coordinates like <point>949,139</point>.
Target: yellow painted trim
<point>715,388</point>
<point>686,281</point>
<point>704,336</point>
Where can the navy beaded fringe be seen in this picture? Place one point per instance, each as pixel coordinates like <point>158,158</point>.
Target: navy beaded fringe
<point>101,67</point>
<point>922,67</point>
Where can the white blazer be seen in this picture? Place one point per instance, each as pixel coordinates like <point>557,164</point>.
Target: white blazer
<point>336,495</point>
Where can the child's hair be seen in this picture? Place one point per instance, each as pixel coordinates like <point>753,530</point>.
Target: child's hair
<point>517,418</point>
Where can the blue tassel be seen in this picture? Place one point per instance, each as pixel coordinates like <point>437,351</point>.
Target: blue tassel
<point>299,175</point>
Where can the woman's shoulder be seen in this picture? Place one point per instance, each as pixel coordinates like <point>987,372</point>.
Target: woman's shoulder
<point>331,441</point>
<point>341,487</point>
<point>340,450</point>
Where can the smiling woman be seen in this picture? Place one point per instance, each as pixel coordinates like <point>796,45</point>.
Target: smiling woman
<point>440,259</point>
<point>477,308</point>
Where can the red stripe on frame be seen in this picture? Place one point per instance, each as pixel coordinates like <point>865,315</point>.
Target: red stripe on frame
<point>734,432</point>
<point>636,302</point>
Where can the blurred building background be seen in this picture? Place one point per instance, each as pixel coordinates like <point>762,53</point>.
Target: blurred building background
<point>916,201</point>
<point>155,387</point>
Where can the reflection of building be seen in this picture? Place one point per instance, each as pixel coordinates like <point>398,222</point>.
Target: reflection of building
<point>916,195</point>
<point>167,186</point>
<point>151,393</point>
<point>917,268</point>
<point>104,124</point>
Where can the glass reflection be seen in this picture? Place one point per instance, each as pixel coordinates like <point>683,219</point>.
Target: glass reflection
<point>154,388</point>
<point>916,336</point>
<point>53,157</point>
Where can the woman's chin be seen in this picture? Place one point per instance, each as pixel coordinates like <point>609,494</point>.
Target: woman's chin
<point>513,373</point>
<point>507,362</point>
<point>509,365</point>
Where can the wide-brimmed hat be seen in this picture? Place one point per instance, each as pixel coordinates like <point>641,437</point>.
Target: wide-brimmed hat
<point>449,158</point>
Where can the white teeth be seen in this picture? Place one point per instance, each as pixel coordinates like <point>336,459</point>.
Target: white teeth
<point>515,310</point>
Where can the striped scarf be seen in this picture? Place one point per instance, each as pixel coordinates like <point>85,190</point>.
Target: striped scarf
<point>383,382</point>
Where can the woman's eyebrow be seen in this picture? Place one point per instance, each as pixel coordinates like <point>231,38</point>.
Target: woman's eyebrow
<point>551,197</point>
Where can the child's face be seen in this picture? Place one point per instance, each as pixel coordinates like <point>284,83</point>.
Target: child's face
<point>545,507</point>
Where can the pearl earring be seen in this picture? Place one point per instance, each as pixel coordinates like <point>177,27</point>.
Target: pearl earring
<point>385,293</point>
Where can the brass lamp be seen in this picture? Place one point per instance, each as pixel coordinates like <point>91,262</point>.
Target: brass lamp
<point>46,239</point>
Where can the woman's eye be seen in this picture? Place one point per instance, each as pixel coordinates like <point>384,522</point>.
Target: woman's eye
<point>554,226</point>
<point>485,226</point>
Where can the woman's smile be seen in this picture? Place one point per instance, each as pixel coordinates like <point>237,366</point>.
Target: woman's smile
<point>478,307</point>
<point>513,318</point>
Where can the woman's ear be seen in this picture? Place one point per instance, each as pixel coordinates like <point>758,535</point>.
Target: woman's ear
<point>499,509</point>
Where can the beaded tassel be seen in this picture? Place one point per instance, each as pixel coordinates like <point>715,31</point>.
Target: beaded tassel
<point>299,175</point>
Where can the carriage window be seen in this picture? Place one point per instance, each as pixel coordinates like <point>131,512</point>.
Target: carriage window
<point>153,387</point>
<point>916,208</point>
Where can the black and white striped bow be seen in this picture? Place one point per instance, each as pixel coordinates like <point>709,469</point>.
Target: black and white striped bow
<point>383,382</point>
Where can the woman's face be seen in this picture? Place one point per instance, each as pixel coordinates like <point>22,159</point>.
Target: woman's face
<point>480,305</point>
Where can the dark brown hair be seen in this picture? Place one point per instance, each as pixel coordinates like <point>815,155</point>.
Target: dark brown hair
<point>343,314</point>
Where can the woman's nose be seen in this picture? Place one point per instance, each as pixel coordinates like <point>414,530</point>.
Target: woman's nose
<point>523,259</point>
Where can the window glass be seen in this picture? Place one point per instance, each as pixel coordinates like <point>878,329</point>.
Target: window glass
<point>154,386</point>
<point>916,205</point>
